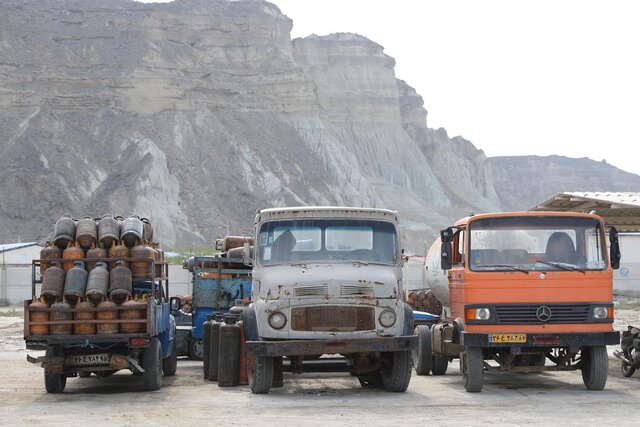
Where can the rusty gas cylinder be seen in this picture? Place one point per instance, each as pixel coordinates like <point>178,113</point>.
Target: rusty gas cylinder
<point>94,253</point>
<point>135,309</point>
<point>120,283</point>
<point>231,242</point>
<point>206,345</point>
<point>214,346</point>
<point>50,251</point>
<point>147,230</point>
<point>144,253</point>
<point>107,312</point>
<point>75,282</point>
<point>53,282</point>
<point>237,253</point>
<point>156,259</point>
<point>108,230</point>
<point>61,311</point>
<point>38,316</point>
<point>229,352</point>
<point>86,232</point>
<point>243,378</point>
<point>116,252</point>
<point>84,311</point>
<point>98,283</point>
<point>132,230</point>
<point>65,232</point>
<point>72,253</point>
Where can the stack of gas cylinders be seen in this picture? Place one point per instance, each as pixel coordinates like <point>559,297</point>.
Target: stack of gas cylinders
<point>224,358</point>
<point>85,282</point>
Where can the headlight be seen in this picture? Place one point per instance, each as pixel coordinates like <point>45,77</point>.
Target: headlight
<point>602,312</point>
<point>482,313</point>
<point>277,320</point>
<point>387,318</point>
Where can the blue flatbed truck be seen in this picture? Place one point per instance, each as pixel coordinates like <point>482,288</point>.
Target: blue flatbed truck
<point>150,353</point>
<point>217,283</point>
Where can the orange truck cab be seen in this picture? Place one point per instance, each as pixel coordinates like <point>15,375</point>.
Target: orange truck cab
<point>526,291</point>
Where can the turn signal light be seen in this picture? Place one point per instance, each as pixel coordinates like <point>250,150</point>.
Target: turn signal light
<point>470,314</point>
<point>610,312</point>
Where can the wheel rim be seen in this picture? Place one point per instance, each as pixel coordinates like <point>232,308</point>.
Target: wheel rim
<point>197,349</point>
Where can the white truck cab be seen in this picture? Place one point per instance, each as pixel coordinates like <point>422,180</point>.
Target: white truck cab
<point>328,280</point>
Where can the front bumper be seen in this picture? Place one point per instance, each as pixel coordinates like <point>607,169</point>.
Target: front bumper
<point>545,340</point>
<point>341,346</point>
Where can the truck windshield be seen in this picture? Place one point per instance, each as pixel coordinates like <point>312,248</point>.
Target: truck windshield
<point>536,244</point>
<point>335,240</point>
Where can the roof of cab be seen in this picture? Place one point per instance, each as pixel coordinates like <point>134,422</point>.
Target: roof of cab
<point>464,221</point>
<point>326,212</point>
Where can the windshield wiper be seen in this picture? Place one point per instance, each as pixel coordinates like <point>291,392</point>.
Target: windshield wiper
<point>354,260</point>
<point>563,266</point>
<point>510,267</point>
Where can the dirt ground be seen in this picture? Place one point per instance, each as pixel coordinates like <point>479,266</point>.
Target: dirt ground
<point>312,399</point>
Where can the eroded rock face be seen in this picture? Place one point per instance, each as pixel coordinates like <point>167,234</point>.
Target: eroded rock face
<point>196,113</point>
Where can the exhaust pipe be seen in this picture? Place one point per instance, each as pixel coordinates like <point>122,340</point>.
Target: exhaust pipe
<point>619,355</point>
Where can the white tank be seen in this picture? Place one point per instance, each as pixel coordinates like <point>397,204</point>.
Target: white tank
<point>436,278</point>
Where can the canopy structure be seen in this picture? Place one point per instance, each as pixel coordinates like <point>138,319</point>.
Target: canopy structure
<point>620,210</point>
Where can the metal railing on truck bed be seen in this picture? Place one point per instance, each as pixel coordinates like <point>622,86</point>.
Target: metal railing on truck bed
<point>156,287</point>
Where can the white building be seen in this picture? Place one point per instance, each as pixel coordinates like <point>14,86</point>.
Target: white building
<point>620,210</point>
<point>15,270</point>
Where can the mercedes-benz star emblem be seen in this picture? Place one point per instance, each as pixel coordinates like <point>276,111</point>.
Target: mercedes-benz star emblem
<point>543,313</point>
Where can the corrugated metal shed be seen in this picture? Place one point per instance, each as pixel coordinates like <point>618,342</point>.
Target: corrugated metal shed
<point>621,210</point>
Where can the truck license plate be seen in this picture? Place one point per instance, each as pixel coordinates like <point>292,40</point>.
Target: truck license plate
<point>504,338</point>
<point>87,360</point>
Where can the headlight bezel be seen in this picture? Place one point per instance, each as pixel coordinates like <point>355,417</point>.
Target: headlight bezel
<point>600,312</point>
<point>387,324</point>
<point>483,314</point>
<point>275,315</point>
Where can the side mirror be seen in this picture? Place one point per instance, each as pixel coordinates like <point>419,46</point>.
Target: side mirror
<point>174,304</point>
<point>614,249</point>
<point>446,235</point>
<point>247,254</point>
<point>445,256</point>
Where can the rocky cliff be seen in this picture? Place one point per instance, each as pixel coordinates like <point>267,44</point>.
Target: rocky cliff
<point>197,112</point>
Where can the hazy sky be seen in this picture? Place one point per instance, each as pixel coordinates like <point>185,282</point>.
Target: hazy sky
<point>514,77</point>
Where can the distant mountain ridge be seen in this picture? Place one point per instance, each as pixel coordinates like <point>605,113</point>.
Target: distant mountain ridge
<point>522,182</point>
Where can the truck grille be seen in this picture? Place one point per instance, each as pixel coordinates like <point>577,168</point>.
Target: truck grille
<point>526,313</point>
<point>356,290</point>
<point>329,318</point>
<point>311,291</point>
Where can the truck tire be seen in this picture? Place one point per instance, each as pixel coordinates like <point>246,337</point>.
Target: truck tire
<point>422,355</point>
<point>397,373</point>
<point>53,382</point>
<point>170,364</point>
<point>195,349</point>
<point>84,374</point>
<point>473,369</point>
<point>439,364</point>
<point>152,364</point>
<point>595,366</point>
<point>260,373</point>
